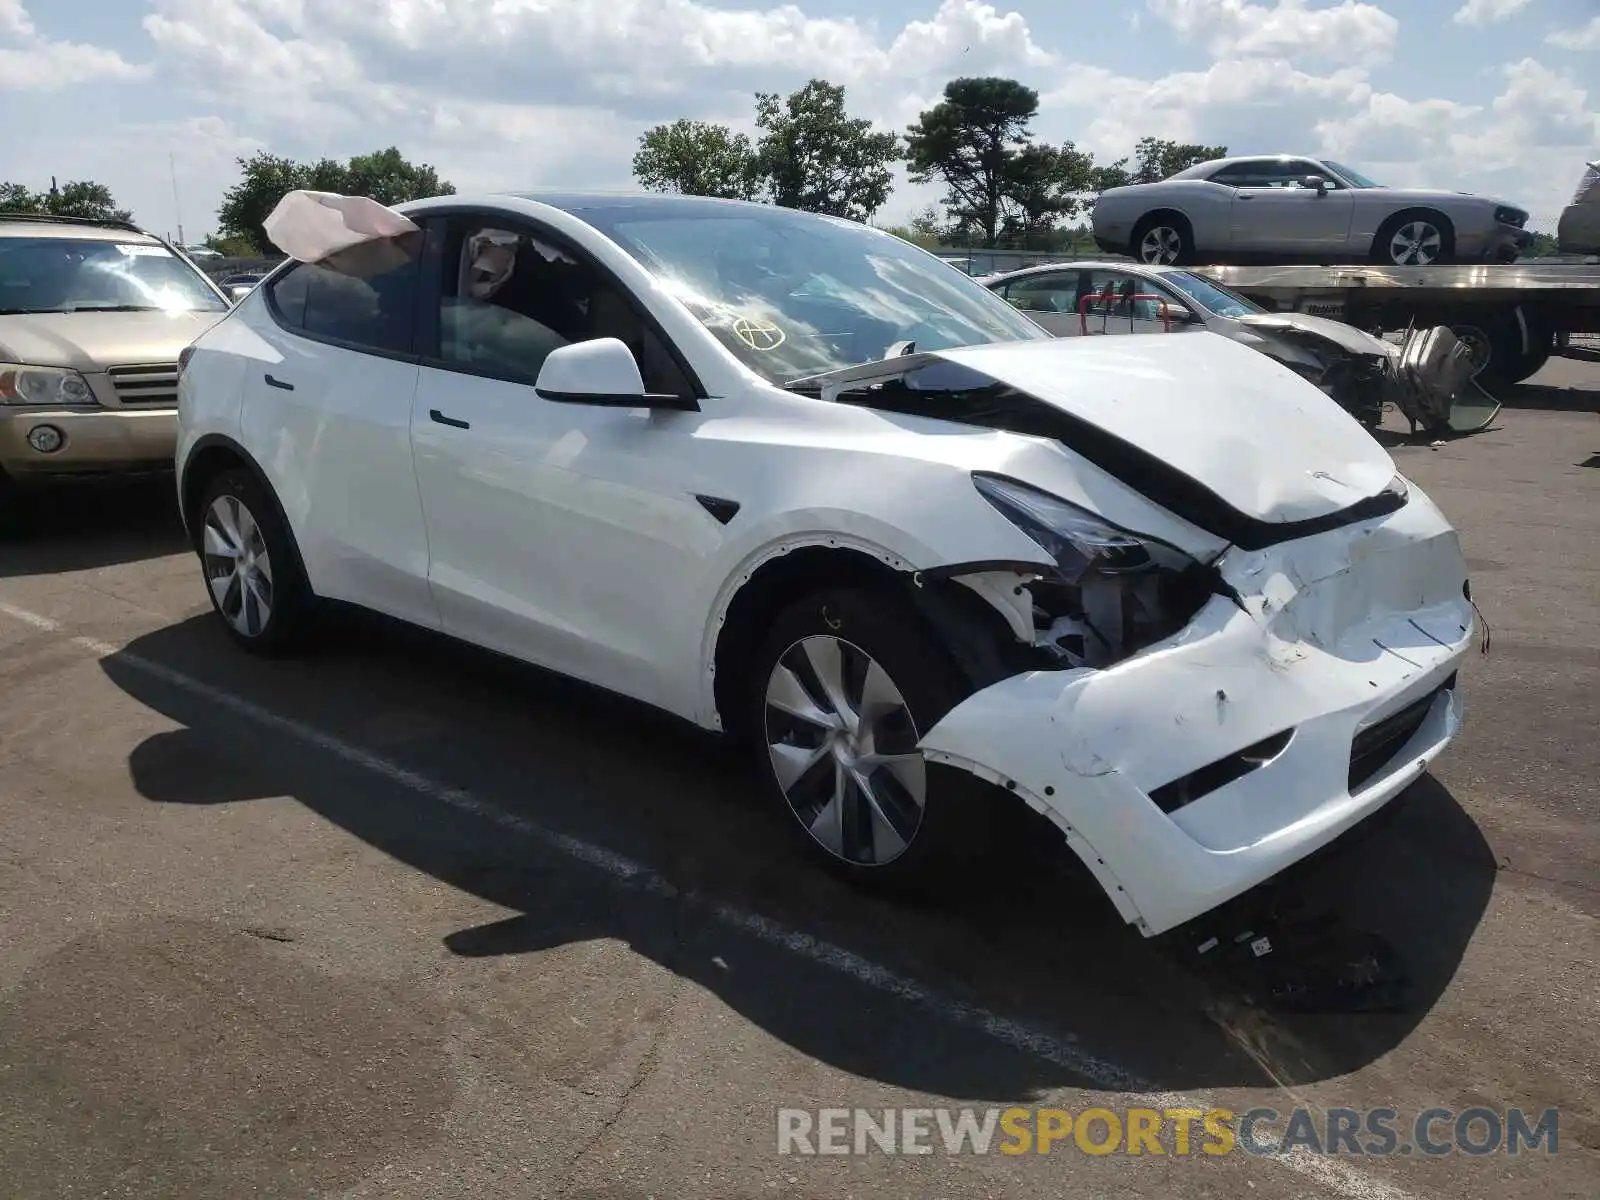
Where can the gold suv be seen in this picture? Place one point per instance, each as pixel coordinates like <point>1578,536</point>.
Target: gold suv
<point>93,316</point>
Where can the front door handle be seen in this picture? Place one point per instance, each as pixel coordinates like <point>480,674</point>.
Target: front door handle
<point>279,383</point>
<point>438,416</point>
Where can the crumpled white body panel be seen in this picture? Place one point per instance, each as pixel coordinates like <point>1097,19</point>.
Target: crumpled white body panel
<point>1339,631</point>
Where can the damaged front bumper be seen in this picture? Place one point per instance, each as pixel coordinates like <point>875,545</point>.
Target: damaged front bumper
<point>1206,764</point>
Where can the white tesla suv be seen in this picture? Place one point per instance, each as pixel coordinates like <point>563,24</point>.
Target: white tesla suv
<point>792,478</point>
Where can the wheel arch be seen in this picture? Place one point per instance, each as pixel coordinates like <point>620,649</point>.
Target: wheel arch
<point>1168,213</point>
<point>211,455</point>
<point>956,617</point>
<point>1387,226</point>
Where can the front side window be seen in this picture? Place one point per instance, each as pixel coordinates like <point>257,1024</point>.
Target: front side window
<point>791,294</point>
<point>1268,173</point>
<point>59,275</point>
<point>363,297</point>
<point>510,295</point>
<point>1114,296</point>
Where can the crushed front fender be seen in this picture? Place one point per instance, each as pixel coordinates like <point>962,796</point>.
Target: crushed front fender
<point>1208,763</point>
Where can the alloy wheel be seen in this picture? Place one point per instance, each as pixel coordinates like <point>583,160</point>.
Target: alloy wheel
<point>843,749</point>
<point>1415,244</point>
<point>237,566</point>
<point>1160,246</point>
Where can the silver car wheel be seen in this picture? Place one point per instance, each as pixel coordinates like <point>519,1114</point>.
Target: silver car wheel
<point>843,748</point>
<point>1415,244</point>
<point>237,566</point>
<point>1160,246</point>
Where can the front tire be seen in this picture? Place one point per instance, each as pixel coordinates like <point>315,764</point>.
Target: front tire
<point>844,687</point>
<point>1415,239</point>
<point>251,569</point>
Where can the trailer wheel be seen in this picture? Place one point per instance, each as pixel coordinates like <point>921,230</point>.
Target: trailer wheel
<point>1496,343</point>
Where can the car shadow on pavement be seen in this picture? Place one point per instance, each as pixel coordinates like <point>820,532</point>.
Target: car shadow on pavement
<point>743,914</point>
<point>78,527</point>
<point>1547,398</point>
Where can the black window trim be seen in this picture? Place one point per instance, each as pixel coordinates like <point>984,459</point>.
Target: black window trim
<point>269,292</point>
<point>430,291</point>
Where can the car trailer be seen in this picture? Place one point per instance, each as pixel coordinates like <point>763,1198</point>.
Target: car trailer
<point>1513,317</point>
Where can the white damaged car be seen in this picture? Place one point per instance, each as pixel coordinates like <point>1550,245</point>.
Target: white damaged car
<point>792,478</point>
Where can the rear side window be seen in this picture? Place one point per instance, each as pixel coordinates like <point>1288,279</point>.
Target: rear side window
<point>363,297</point>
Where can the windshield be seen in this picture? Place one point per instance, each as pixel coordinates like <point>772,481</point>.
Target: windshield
<point>1211,296</point>
<point>57,275</point>
<point>1354,178</point>
<point>793,294</point>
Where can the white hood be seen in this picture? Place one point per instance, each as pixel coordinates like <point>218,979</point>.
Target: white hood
<point>1260,438</point>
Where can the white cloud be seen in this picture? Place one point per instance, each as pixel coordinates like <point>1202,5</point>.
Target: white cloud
<point>531,93</point>
<point>36,64</point>
<point>1259,105</point>
<point>1487,12</point>
<point>1348,32</point>
<point>1585,37</point>
<point>1527,145</point>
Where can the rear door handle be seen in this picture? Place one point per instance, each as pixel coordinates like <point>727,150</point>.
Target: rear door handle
<point>279,383</point>
<point>438,416</point>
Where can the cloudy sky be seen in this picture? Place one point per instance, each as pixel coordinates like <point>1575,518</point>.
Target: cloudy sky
<point>1492,95</point>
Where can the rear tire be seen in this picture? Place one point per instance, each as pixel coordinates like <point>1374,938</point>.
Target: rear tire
<point>250,565</point>
<point>1163,239</point>
<point>844,686</point>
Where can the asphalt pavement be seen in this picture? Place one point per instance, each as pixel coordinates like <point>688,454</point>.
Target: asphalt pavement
<point>399,919</point>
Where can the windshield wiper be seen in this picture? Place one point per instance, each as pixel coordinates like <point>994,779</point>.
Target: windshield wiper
<point>111,308</point>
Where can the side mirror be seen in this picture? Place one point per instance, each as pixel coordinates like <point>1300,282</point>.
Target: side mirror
<point>601,371</point>
<point>1314,183</point>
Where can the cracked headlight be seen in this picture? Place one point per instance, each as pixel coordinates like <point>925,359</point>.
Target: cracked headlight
<point>44,386</point>
<point>1113,592</point>
<point>1079,541</point>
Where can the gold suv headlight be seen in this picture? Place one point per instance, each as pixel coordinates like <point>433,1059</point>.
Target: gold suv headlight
<point>44,386</point>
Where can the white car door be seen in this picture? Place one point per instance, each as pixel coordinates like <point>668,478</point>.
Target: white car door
<point>327,406</point>
<point>1271,212</point>
<point>561,533</point>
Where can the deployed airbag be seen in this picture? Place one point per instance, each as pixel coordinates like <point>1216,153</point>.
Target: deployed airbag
<point>309,226</point>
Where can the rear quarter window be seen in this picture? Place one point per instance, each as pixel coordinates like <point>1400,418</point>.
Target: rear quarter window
<point>364,297</point>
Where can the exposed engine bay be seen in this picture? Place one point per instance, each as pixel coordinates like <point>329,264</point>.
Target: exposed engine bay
<point>1422,376</point>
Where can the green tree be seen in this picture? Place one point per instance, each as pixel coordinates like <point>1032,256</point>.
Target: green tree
<point>385,175</point>
<point>813,156</point>
<point>1155,159</point>
<point>1044,186</point>
<point>925,228</point>
<point>696,158</point>
<point>231,247</point>
<point>1544,245</point>
<point>78,198</point>
<point>970,142</point>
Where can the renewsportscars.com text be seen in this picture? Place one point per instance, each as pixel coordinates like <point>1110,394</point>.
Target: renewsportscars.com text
<point>1379,1132</point>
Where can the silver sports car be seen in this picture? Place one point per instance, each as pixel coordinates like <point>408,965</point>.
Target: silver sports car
<point>1287,209</point>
